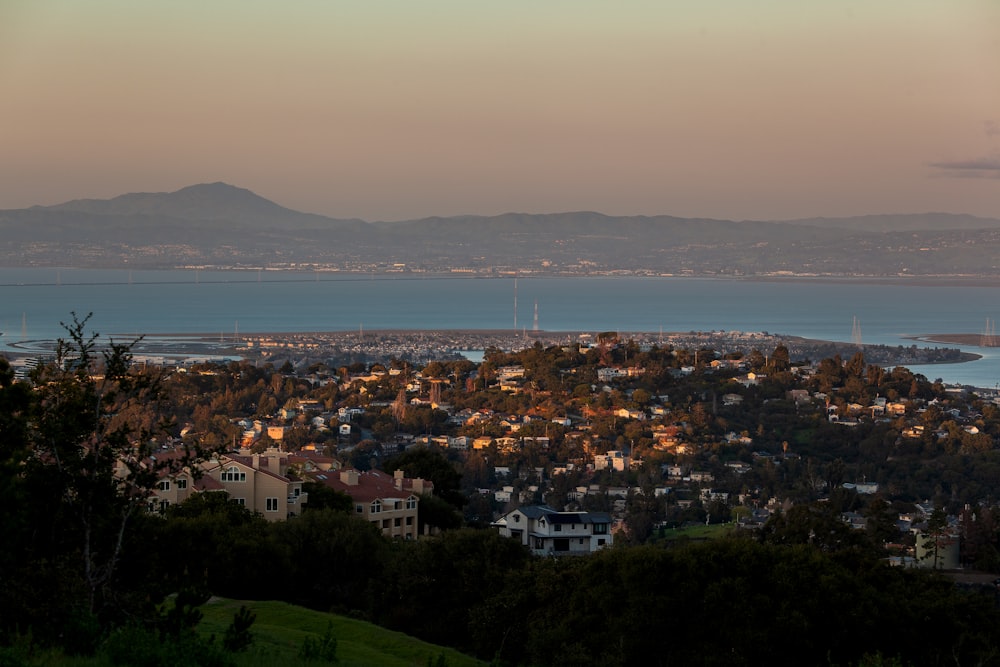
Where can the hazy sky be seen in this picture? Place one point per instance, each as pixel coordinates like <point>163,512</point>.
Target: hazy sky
<point>386,110</point>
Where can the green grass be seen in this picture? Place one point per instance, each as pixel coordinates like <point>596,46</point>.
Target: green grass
<point>711,532</point>
<point>279,632</point>
<point>281,628</point>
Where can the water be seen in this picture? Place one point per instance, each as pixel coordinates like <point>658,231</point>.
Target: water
<point>34,301</point>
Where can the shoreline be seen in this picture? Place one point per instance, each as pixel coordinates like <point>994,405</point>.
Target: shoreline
<point>455,341</point>
<point>325,274</point>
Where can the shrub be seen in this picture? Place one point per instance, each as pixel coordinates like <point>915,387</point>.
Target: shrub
<point>320,648</point>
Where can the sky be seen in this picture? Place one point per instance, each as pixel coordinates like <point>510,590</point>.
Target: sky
<point>395,109</point>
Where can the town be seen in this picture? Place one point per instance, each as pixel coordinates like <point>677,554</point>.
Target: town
<point>655,437</point>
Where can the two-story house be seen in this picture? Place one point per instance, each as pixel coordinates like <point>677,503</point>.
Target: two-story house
<point>548,532</point>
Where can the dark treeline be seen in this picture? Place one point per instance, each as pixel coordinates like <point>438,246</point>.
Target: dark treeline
<point>774,599</point>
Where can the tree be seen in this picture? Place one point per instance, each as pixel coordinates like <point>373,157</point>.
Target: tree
<point>84,461</point>
<point>323,497</point>
<point>431,465</point>
<point>936,537</point>
<point>881,522</point>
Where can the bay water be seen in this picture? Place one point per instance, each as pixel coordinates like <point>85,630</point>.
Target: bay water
<point>33,302</point>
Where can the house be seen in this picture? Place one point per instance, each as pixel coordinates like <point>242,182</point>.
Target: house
<point>798,395</point>
<point>390,502</point>
<point>175,488</point>
<point>548,532</point>
<point>615,460</point>
<point>609,374</point>
<point>626,413</point>
<point>260,482</point>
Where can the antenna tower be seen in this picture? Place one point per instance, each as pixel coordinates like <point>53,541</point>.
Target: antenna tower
<point>534,326</point>
<point>856,332</point>
<point>399,405</point>
<point>989,337</point>
<point>435,396</point>
<point>515,303</point>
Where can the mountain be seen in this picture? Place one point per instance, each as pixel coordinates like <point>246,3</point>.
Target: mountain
<point>208,201</point>
<point>216,224</point>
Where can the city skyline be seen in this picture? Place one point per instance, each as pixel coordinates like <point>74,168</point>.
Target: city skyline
<point>770,110</point>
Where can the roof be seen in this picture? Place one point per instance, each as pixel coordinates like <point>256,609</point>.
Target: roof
<point>538,511</point>
<point>580,517</point>
<point>535,511</point>
<point>372,485</point>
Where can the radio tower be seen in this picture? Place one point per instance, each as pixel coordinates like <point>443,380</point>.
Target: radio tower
<point>534,326</point>
<point>989,337</point>
<point>856,332</point>
<point>515,303</point>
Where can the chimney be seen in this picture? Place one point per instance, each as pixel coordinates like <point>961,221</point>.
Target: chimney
<point>397,479</point>
<point>256,461</point>
<point>349,477</point>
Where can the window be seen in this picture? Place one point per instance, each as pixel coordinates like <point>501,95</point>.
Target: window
<point>181,483</point>
<point>600,542</point>
<point>296,492</point>
<point>558,527</point>
<point>411,503</point>
<point>164,485</point>
<point>233,474</point>
<point>396,522</point>
<point>242,502</point>
<point>517,518</point>
<point>360,509</point>
<point>539,543</point>
<point>164,504</point>
<point>409,521</point>
<point>376,507</point>
<point>600,529</point>
<point>271,505</point>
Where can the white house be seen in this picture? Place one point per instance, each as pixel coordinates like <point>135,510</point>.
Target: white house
<point>548,532</point>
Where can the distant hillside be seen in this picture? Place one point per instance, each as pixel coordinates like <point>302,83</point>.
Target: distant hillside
<point>221,225</point>
<point>902,223</point>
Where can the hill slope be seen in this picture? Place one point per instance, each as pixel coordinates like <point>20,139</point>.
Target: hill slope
<point>281,628</point>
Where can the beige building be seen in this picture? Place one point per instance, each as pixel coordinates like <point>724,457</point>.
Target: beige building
<point>261,483</point>
<point>390,502</point>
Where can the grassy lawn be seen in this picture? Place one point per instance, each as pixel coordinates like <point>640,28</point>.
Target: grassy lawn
<point>281,628</point>
<point>699,532</point>
<point>279,631</point>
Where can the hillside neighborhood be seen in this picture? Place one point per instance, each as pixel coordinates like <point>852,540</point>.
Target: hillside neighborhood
<point>632,440</point>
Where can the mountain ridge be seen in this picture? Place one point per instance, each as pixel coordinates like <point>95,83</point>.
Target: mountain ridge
<point>218,224</point>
